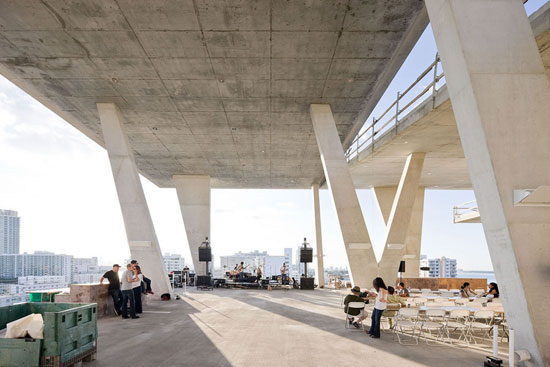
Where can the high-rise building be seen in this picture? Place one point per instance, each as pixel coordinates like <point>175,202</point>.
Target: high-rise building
<point>38,264</point>
<point>9,232</point>
<point>440,267</point>
<point>173,262</point>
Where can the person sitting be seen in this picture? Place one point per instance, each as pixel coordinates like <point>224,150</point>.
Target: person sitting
<point>394,298</point>
<point>354,312</point>
<point>493,290</point>
<point>466,292</point>
<point>401,290</point>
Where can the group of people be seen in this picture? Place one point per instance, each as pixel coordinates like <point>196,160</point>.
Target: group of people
<point>467,292</point>
<point>238,272</point>
<point>128,289</point>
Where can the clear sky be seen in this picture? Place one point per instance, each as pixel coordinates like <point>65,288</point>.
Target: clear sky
<point>61,184</point>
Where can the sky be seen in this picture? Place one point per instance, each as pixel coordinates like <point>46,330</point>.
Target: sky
<point>61,184</point>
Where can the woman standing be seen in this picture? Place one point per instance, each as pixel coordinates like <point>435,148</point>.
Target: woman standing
<point>379,307</point>
<point>137,288</point>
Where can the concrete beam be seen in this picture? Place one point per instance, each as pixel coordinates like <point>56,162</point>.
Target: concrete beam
<point>384,196</point>
<point>360,254</point>
<point>400,218</point>
<point>413,243</point>
<point>500,93</point>
<point>318,236</point>
<point>194,199</point>
<point>142,239</point>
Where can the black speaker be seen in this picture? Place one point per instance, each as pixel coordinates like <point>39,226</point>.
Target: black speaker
<point>306,283</point>
<point>306,255</point>
<point>205,254</point>
<point>402,266</point>
<point>203,281</point>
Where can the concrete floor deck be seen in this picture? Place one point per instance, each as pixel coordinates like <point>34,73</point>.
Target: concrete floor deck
<point>229,327</point>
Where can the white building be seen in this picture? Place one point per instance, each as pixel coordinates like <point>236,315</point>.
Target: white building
<point>40,263</point>
<point>87,270</point>
<point>271,265</point>
<point>34,283</point>
<point>6,300</point>
<point>440,267</point>
<point>9,232</point>
<point>173,262</point>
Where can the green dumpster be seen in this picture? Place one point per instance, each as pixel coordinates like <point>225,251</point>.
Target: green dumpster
<point>70,335</point>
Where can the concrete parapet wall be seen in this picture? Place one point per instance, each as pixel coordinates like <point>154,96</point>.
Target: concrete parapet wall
<point>444,283</point>
<point>90,293</point>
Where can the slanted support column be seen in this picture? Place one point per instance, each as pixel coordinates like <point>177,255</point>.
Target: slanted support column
<point>142,239</point>
<point>500,93</point>
<point>400,218</point>
<point>318,236</point>
<point>194,199</point>
<point>360,254</point>
<point>384,197</point>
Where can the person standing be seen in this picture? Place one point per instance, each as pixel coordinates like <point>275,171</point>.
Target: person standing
<point>114,287</point>
<point>284,270</point>
<point>146,280</point>
<point>128,279</point>
<point>137,288</point>
<point>379,307</point>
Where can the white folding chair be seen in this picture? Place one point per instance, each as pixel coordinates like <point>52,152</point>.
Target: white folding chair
<point>356,306</point>
<point>482,301</point>
<point>481,321</point>
<point>457,321</point>
<point>426,291</point>
<point>434,320</point>
<point>406,320</point>
<point>419,301</point>
<point>390,313</point>
<point>462,301</point>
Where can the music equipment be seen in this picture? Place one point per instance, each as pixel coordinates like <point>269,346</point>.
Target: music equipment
<point>306,283</point>
<point>402,266</point>
<point>306,255</point>
<point>205,254</point>
<point>203,281</point>
<point>274,277</point>
<point>265,281</point>
<point>425,268</point>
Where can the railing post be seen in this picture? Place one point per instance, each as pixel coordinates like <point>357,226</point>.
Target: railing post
<point>397,113</point>
<point>435,80</point>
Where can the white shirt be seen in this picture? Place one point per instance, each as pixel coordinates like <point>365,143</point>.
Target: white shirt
<point>137,283</point>
<point>379,305</point>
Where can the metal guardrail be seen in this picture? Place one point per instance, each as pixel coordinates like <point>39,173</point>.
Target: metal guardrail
<point>379,124</point>
<point>464,209</point>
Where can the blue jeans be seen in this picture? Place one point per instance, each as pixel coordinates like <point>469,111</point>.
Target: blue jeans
<point>128,295</point>
<point>137,299</point>
<point>117,299</point>
<point>375,322</point>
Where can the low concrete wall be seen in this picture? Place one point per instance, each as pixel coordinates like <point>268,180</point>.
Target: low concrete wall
<point>90,293</point>
<point>444,283</point>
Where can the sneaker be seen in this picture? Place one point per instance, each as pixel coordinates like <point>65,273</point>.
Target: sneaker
<point>135,317</point>
<point>150,292</point>
<point>356,324</point>
<point>350,322</point>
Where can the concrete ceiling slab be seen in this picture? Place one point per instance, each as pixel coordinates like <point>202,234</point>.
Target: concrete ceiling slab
<point>218,87</point>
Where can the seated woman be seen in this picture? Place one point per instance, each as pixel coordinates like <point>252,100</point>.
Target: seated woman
<point>493,290</point>
<point>393,297</point>
<point>466,292</point>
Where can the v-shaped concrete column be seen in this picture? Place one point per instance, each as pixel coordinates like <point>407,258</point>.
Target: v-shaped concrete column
<point>318,236</point>
<point>400,216</point>
<point>142,239</point>
<point>194,198</point>
<point>500,96</point>
<point>360,254</point>
<point>384,197</point>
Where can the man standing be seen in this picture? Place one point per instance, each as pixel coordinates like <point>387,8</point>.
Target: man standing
<point>114,287</point>
<point>284,270</point>
<point>128,278</point>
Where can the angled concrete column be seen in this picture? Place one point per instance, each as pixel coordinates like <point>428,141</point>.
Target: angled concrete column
<point>142,239</point>
<point>500,95</point>
<point>318,236</point>
<point>413,243</point>
<point>360,254</point>
<point>194,198</point>
<point>400,218</point>
<point>384,198</point>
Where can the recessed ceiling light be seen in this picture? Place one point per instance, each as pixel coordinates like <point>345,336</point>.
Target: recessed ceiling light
<point>115,80</point>
<point>221,80</point>
<point>350,80</point>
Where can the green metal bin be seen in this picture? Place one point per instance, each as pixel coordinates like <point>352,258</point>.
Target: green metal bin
<point>70,334</point>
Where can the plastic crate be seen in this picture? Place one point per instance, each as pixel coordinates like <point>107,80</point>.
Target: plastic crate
<point>70,333</point>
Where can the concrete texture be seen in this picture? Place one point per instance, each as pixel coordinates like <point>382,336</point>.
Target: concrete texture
<point>140,231</point>
<point>318,236</point>
<point>210,87</point>
<point>242,328</point>
<point>493,85</point>
<point>397,228</point>
<point>362,264</point>
<point>90,293</point>
<point>194,199</point>
<point>431,128</point>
